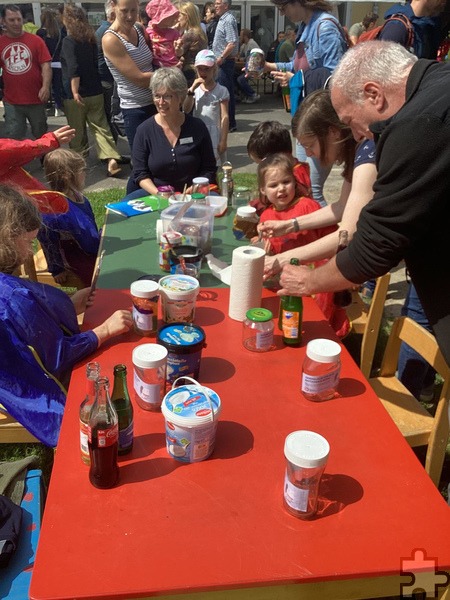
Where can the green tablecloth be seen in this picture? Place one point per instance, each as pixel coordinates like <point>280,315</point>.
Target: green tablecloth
<point>131,249</point>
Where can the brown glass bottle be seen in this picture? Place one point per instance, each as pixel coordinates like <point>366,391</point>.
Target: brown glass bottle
<point>342,298</point>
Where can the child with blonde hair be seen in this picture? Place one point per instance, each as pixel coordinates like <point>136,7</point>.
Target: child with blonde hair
<point>70,241</point>
<point>210,99</point>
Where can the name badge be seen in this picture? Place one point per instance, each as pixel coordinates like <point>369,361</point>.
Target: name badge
<point>188,140</point>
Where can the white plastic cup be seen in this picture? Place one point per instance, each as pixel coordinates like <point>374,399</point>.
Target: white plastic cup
<point>178,297</point>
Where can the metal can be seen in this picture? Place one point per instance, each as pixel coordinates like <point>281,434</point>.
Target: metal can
<point>166,241</point>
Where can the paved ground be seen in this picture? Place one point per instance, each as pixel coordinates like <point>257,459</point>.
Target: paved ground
<point>269,107</point>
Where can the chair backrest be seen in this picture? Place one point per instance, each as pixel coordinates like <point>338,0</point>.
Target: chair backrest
<point>366,320</point>
<point>424,343</point>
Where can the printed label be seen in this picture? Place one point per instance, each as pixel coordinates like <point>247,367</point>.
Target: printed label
<point>264,339</point>
<point>290,324</point>
<point>144,320</point>
<point>315,384</point>
<point>295,497</point>
<point>107,437</point>
<point>84,439</point>
<point>126,436</point>
<point>147,392</point>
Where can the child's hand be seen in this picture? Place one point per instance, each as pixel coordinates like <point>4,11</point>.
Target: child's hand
<point>64,134</point>
<point>270,229</point>
<point>197,82</point>
<point>61,278</point>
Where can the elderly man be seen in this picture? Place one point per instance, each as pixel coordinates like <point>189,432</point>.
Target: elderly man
<point>225,47</point>
<point>382,91</point>
<point>27,76</point>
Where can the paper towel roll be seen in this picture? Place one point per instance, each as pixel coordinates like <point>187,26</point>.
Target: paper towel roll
<point>246,280</point>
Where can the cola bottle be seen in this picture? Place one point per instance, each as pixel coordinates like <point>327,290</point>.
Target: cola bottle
<point>92,374</point>
<point>120,399</point>
<point>103,439</point>
<point>342,298</point>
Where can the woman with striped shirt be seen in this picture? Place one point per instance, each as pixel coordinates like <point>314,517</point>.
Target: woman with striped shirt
<point>130,60</point>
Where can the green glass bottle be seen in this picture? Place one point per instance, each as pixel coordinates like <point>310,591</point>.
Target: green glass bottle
<point>290,318</point>
<point>120,399</point>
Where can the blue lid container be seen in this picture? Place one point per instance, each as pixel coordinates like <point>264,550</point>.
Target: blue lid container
<point>184,343</point>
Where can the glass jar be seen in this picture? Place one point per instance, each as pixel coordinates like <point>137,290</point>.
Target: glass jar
<point>321,370</point>
<point>306,455</point>
<point>241,196</point>
<point>149,375</point>
<point>198,198</point>
<point>257,332</point>
<point>200,185</point>
<point>245,223</point>
<point>145,295</point>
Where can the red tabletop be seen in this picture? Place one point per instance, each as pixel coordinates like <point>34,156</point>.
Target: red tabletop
<point>171,528</point>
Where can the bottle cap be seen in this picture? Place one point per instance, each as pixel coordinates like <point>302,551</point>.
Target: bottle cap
<point>200,180</point>
<point>306,449</point>
<point>144,288</point>
<point>246,211</point>
<point>259,314</point>
<point>323,350</point>
<point>149,356</point>
<point>198,196</point>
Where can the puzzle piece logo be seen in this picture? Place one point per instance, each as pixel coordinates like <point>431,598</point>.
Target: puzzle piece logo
<point>423,574</point>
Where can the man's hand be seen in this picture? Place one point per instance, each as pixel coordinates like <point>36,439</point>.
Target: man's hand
<point>283,77</point>
<point>44,94</point>
<point>295,281</point>
<point>78,99</point>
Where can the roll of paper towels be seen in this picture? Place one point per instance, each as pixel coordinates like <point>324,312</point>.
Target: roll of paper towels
<point>247,270</point>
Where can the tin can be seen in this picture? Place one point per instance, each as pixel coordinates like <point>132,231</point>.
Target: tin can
<point>168,239</point>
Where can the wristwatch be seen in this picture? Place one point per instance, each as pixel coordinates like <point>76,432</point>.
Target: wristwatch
<point>296,225</point>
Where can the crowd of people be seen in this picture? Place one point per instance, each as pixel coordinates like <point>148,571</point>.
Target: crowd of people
<point>169,74</point>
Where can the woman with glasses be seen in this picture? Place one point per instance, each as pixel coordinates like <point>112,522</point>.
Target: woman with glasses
<point>170,148</point>
<point>319,46</point>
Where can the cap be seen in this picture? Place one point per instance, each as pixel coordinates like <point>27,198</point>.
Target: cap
<point>306,449</point>
<point>323,350</point>
<point>205,58</point>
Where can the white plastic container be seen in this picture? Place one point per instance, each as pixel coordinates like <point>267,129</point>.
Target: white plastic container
<point>196,225</point>
<point>145,295</point>
<point>321,370</point>
<point>178,296</point>
<point>218,203</point>
<point>306,455</point>
<point>191,413</point>
<point>149,375</point>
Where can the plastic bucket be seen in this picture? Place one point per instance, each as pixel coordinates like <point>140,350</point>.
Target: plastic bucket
<point>191,413</point>
<point>184,343</point>
<point>178,296</point>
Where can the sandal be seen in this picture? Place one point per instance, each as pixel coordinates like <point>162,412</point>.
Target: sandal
<point>113,168</point>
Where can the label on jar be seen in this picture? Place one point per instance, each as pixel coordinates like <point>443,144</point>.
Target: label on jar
<point>296,498</point>
<point>315,384</point>
<point>149,393</point>
<point>264,339</point>
<point>145,320</point>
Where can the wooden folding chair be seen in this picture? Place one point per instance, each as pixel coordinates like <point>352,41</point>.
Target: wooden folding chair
<point>366,320</point>
<point>12,432</point>
<point>416,424</point>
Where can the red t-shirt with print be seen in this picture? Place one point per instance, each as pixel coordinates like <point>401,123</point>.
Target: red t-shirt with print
<point>21,59</point>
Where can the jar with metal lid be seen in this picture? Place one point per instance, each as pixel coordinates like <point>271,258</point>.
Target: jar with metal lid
<point>200,185</point>
<point>321,370</point>
<point>241,196</point>
<point>198,198</point>
<point>257,332</point>
<point>145,296</point>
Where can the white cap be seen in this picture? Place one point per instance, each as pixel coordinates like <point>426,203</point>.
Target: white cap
<point>246,211</point>
<point>323,350</point>
<point>306,449</point>
<point>149,356</point>
<point>200,180</point>
<point>144,288</point>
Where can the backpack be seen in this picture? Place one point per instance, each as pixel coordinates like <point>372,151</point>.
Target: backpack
<point>374,33</point>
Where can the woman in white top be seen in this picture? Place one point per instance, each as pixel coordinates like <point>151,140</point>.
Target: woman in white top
<point>130,60</point>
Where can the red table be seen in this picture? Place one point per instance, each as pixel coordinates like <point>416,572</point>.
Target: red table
<point>217,529</point>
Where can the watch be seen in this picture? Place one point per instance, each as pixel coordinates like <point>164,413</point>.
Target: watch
<point>296,225</point>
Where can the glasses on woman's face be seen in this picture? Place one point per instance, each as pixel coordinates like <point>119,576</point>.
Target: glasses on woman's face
<point>162,97</point>
<point>282,6</point>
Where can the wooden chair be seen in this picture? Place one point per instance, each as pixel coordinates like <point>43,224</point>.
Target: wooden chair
<point>12,432</point>
<point>366,320</point>
<point>416,424</point>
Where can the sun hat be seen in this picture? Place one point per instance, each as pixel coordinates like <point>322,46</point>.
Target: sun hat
<point>205,58</point>
<point>158,10</point>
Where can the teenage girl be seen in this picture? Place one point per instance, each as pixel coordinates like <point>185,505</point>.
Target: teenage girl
<point>210,101</point>
<point>71,240</point>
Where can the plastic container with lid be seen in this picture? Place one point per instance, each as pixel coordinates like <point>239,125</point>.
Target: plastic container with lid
<point>257,331</point>
<point>191,413</point>
<point>149,375</point>
<point>245,223</point>
<point>178,296</point>
<point>200,185</point>
<point>321,369</point>
<point>184,343</point>
<point>145,295</point>
<point>306,455</point>
<point>196,224</point>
